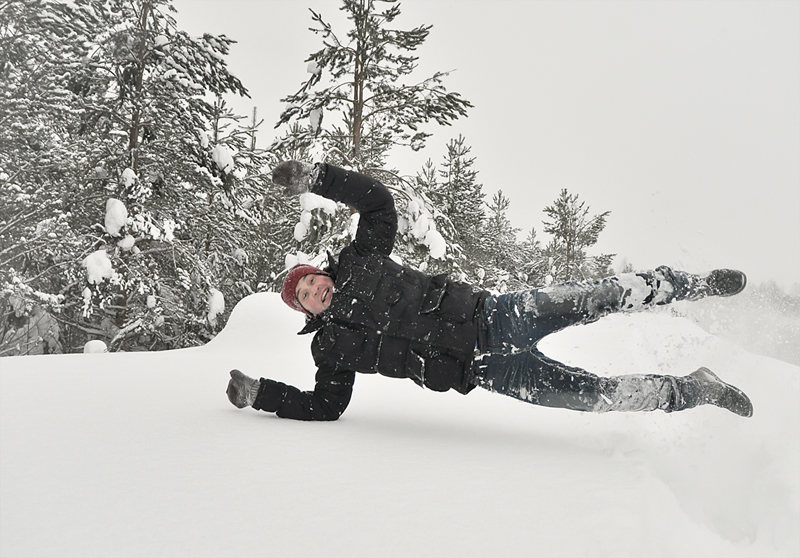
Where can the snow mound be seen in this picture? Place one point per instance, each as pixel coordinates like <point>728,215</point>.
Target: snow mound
<point>141,454</point>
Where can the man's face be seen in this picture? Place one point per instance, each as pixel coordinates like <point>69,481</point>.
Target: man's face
<point>314,292</point>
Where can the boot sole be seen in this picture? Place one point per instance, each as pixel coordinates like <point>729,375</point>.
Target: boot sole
<point>721,283</point>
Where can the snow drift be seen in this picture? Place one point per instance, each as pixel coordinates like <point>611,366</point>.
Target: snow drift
<point>141,454</point>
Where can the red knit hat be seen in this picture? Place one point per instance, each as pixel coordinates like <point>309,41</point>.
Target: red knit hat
<point>289,290</point>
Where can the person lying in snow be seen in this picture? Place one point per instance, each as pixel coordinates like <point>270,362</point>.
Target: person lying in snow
<point>371,314</point>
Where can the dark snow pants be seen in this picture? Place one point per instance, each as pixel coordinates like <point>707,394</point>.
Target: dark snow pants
<point>509,362</point>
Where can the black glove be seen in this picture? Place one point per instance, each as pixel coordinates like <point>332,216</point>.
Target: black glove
<point>242,390</point>
<point>296,177</point>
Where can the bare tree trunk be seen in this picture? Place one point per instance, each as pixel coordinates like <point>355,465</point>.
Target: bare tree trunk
<point>358,89</point>
<point>136,116</point>
<point>253,134</point>
<point>358,103</point>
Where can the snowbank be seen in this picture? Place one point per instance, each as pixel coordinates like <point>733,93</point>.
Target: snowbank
<point>141,454</point>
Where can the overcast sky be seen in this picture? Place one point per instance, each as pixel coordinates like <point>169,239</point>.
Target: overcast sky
<point>681,118</point>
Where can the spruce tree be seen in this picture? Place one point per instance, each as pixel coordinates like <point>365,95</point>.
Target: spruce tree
<point>457,200</point>
<point>574,230</point>
<point>463,197</point>
<point>500,257</point>
<point>107,106</point>
<point>361,79</point>
<point>453,261</point>
<point>359,102</point>
<point>42,44</point>
<point>182,165</point>
<point>533,260</point>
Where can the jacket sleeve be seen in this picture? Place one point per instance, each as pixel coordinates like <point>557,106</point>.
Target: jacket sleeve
<point>328,401</point>
<point>377,224</point>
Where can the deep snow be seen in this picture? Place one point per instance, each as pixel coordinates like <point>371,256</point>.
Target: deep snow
<point>141,454</point>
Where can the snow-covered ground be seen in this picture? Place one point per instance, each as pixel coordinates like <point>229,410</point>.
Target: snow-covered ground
<point>141,454</point>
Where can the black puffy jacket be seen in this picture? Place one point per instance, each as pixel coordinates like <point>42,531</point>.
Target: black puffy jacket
<point>383,317</point>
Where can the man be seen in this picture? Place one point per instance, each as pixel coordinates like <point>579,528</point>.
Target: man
<point>371,314</point>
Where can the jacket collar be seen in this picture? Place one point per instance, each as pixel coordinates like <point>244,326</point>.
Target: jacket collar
<point>313,323</point>
<point>333,265</point>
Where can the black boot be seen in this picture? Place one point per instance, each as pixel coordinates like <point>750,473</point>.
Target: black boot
<point>725,282</point>
<point>650,392</point>
<point>704,387</point>
<point>687,286</point>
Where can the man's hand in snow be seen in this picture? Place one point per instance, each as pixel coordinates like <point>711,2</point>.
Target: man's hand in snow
<point>242,390</point>
<point>296,177</point>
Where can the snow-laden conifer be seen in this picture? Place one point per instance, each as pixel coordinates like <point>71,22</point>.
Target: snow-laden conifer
<point>574,230</point>
<point>110,100</point>
<point>360,100</point>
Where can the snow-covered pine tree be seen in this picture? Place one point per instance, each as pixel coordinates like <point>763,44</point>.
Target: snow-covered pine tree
<point>534,261</point>
<point>42,46</point>
<point>366,75</point>
<point>226,231</point>
<point>574,230</point>
<point>428,192</point>
<point>134,125</point>
<point>462,200</point>
<point>359,104</point>
<point>501,258</point>
<point>280,216</point>
<point>182,165</point>
<point>458,207</point>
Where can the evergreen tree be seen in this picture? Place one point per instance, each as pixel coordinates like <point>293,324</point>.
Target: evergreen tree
<point>533,261</point>
<point>458,207</point>
<point>462,195</point>
<point>112,111</point>
<point>431,195</point>
<point>367,88</point>
<point>500,258</point>
<point>573,232</point>
<point>358,106</point>
<point>42,45</point>
<point>280,218</point>
<point>625,266</point>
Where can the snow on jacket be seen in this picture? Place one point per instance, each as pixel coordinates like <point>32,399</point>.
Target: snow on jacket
<point>383,317</point>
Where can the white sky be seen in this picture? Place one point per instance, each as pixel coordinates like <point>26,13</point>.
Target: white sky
<point>681,118</point>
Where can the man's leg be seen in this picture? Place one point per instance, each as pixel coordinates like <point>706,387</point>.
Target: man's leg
<point>532,377</point>
<point>517,321</point>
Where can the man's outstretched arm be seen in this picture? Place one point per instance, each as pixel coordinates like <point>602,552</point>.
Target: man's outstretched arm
<point>327,401</point>
<point>377,224</point>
